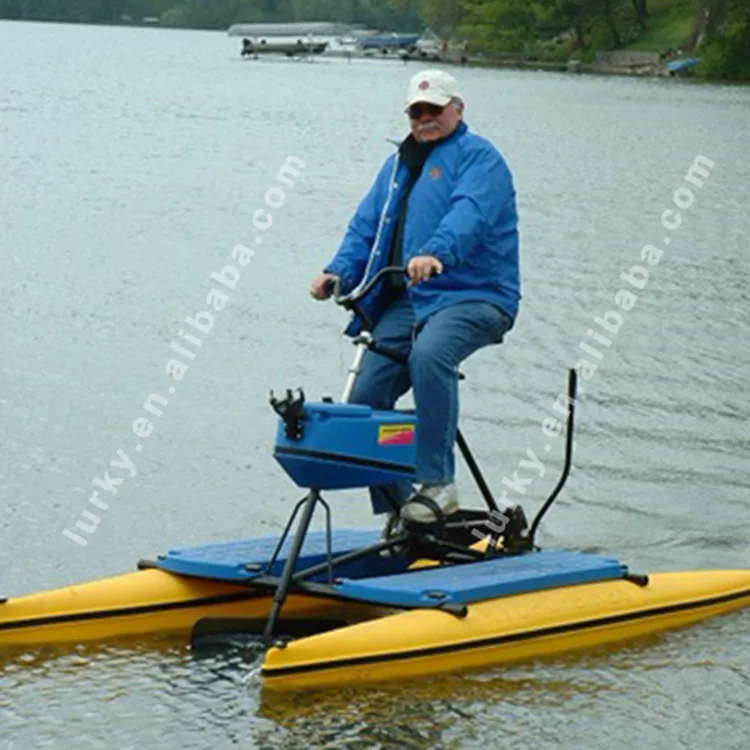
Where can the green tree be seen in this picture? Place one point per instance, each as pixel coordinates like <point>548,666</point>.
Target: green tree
<point>322,10</point>
<point>641,13</point>
<point>726,53</point>
<point>502,25</point>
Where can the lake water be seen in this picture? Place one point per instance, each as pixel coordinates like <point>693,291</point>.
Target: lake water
<point>135,160</point>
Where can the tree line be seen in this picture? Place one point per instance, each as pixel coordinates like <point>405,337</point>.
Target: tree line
<point>534,28</point>
<point>219,14</point>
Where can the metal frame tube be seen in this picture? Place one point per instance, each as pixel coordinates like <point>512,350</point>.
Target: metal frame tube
<point>363,343</point>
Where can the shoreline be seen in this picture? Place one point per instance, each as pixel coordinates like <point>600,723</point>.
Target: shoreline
<point>652,70</point>
<point>572,67</point>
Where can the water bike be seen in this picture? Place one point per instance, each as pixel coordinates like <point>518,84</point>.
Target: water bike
<point>334,606</point>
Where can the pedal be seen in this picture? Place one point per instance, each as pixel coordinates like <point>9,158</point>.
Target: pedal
<point>516,535</point>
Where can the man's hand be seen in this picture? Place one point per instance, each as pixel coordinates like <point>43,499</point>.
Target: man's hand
<point>421,267</point>
<point>322,286</point>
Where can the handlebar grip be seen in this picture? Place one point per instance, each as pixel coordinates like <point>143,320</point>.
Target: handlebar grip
<point>350,299</point>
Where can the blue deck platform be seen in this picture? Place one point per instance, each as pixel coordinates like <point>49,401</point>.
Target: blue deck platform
<point>229,561</point>
<point>385,580</point>
<point>488,579</point>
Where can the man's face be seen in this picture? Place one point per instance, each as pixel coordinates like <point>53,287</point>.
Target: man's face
<point>429,122</point>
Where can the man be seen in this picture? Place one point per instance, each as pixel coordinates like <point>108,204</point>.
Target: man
<point>443,205</point>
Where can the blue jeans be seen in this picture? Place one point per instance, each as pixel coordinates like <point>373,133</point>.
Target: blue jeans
<point>435,348</point>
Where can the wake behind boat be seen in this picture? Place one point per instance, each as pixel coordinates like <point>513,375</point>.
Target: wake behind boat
<point>341,606</point>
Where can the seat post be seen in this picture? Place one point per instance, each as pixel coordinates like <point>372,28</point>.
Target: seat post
<point>362,342</point>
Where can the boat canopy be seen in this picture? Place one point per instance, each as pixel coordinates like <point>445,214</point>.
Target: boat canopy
<point>321,28</point>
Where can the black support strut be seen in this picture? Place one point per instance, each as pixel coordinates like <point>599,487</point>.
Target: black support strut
<point>282,590</point>
<point>572,383</point>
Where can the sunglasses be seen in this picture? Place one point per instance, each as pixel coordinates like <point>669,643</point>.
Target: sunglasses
<point>417,110</point>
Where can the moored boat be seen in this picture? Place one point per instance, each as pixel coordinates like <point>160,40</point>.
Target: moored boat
<point>296,48</point>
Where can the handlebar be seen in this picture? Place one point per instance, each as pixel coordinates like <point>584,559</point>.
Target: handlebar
<point>350,301</point>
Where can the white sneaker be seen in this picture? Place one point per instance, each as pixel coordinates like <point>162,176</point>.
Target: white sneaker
<point>445,495</point>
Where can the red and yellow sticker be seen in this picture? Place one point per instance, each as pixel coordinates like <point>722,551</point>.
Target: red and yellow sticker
<point>395,434</point>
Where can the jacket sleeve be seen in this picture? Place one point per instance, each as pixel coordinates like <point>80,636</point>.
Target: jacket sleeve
<point>483,189</point>
<point>350,260</point>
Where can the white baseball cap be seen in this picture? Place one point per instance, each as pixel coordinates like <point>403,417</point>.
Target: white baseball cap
<point>433,87</point>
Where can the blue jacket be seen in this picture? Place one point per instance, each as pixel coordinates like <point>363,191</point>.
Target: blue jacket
<point>462,210</point>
